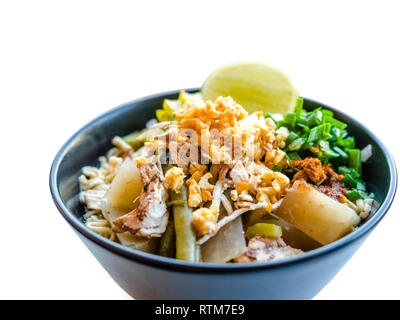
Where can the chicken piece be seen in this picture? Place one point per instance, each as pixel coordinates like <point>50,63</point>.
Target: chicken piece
<point>148,169</point>
<point>150,218</point>
<point>266,249</point>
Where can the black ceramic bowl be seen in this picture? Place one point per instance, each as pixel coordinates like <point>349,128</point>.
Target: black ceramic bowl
<point>147,276</point>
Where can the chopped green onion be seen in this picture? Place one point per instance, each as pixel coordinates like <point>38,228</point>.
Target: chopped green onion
<point>279,123</point>
<point>304,127</point>
<point>292,136</point>
<point>269,115</point>
<point>336,123</point>
<point>299,106</point>
<point>290,119</point>
<point>325,148</point>
<point>361,186</point>
<point>349,143</point>
<point>302,118</point>
<point>315,118</point>
<point>337,135</point>
<point>319,132</point>
<point>343,169</point>
<point>294,155</point>
<point>349,181</point>
<point>340,152</point>
<point>355,159</point>
<point>296,144</point>
<point>355,194</point>
<point>353,172</point>
<point>288,159</point>
<point>327,113</point>
<point>277,167</point>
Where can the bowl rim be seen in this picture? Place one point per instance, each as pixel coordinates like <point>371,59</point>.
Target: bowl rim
<point>180,265</point>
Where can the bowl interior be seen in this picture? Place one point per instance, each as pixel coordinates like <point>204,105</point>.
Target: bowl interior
<point>94,140</point>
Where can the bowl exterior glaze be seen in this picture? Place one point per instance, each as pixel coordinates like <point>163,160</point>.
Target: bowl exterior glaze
<point>302,280</point>
<point>146,276</point>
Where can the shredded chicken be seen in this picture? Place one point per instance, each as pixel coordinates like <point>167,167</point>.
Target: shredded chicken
<point>266,249</point>
<point>150,218</point>
<point>149,169</point>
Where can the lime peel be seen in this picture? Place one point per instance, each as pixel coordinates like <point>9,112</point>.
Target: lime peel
<point>256,86</point>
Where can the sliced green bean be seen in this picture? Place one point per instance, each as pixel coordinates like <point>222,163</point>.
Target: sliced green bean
<point>186,248</point>
<point>167,245</point>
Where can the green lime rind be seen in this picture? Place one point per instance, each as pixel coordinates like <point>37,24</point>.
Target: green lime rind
<point>256,86</point>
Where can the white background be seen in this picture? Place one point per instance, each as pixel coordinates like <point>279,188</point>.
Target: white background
<point>62,63</point>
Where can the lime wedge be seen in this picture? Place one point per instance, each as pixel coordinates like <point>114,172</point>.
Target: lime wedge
<point>256,86</point>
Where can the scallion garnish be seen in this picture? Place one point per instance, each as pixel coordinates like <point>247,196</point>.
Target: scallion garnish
<point>296,144</point>
<point>290,119</point>
<point>355,159</point>
<point>319,134</point>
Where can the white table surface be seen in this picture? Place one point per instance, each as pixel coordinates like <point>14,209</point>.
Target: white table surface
<point>64,63</point>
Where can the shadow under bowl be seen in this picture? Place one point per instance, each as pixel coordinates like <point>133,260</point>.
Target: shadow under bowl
<point>148,276</point>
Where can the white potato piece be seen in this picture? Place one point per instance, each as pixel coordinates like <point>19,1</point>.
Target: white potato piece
<point>126,187</point>
<point>227,244</point>
<point>126,238</point>
<point>320,217</point>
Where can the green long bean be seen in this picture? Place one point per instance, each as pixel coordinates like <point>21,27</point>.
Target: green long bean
<point>167,243</point>
<point>186,248</point>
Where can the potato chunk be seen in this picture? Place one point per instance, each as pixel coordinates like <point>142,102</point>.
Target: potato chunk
<point>227,244</point>
<point>126,187</point>
<point>320,217</point>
